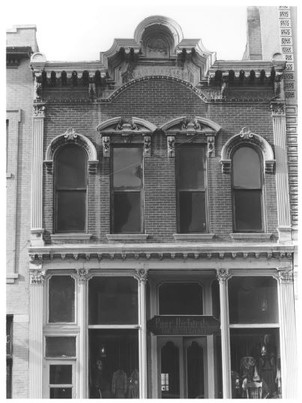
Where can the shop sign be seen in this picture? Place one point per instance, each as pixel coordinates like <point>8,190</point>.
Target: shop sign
<point>178,325</point>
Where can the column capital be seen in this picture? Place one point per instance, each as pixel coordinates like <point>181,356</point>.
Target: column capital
<point>278,109</point>
<point>39,110</point>
<point>285,275</point>
<point>37,276</point>
<point>223,275</point>
<point>141,275</point>
<point>82,275</point>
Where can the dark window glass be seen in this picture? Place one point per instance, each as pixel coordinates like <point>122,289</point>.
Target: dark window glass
<point>114,369</point>
<point>253,300</point>
<point>170,371</point>
<point>127,167</point>
<point>113,300</point>
<point>247,190</point>
<point>71,207</point>
<point>60,374</point>
<point>61,346</point>
<point>255,362</point>
<point>180,299</point>
<point>60,393</point>
<point>247,204</point>
<point>191,168</point>
<point>192,212</point>
<point>9,355</point>
<point>127,190</point>
<point>70,189</point>
<point>127,212</point>
<point>61,299</point>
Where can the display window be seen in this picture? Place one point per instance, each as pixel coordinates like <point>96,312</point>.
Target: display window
<point>114,369</point>
<point>61,299</point>
<point>255,361</point>
<point>180,299</point>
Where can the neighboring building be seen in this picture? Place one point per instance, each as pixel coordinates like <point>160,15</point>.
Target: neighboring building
<point>163,220</point>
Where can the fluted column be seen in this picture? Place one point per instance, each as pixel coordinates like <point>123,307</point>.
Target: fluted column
<point>37,277</point>
<point>142,280</point>
<point>37,175</point>
<point>282,187</point>
<point>223,276</point>
<point>82,275</point>
<point>288,337</point>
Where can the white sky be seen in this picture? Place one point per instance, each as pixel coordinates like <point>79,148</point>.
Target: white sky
<point>79,30</point>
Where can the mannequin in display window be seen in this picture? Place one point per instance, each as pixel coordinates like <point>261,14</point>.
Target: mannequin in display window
<point>101,385</point>
<point>119,384</point>
<point>251,384</point>
<point>267,367</point>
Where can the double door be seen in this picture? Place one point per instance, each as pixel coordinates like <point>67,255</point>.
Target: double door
<point>182,368</point>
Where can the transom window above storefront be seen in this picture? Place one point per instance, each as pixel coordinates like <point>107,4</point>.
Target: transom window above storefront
<point>180,299</point>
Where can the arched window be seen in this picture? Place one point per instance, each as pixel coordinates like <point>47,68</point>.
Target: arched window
<point>70,188</point>
<point>247,190</point>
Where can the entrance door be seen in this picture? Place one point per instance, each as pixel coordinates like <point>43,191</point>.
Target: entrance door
<point>182,367</point>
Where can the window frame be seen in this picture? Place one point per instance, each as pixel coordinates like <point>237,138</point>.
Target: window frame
<point>57,190</point>
<point>203,191</point>
<point>140,190</point>
<point>235,190</point>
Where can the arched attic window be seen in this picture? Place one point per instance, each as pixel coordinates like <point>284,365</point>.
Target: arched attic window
<point>70,189</point>
<point>247,190</point>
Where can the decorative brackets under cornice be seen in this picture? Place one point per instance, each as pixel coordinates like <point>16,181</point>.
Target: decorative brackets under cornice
<point>71,136</point>
<point>247,137</point>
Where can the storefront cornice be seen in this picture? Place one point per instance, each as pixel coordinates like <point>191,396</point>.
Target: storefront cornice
<point>149,251</point>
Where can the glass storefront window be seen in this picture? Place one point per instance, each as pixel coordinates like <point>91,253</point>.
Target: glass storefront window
<point>113,363</point>
<point>61,299</point>
<point>180,299</point>
<point>255,363</point>
<point>253,300</point>
<point>60,381</point>
<point>113,300</point>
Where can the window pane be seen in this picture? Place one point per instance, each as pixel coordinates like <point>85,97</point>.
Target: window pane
<point>127,167</point>
<point>180,299</point>
<point>113,364</point>
<point>60,393</point>
<point>246,169</point>
<point>247,205</point>
<point>255,362</point>
<point>60,346</point>
<point>191,167</point>
<point>71,211</point>
<point>127,212</point>
<point>253,300</point>
<point>61,299</point>
<point>170,371</point>
<point>192,217</point>
<point>71,167</point>
<point>60,374</point>
<point>113,300</point>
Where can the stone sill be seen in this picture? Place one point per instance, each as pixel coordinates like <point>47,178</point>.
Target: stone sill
<point>70,237</point>
<point>193,237</point>
<point>11,277</point>
<point>126,237</point>
<point>256,236</point>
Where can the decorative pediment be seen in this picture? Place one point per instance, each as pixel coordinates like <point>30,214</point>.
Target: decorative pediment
<point>126,129</point>
<point>71,136</point>
<point>246,136</point>
<point>197,126</point>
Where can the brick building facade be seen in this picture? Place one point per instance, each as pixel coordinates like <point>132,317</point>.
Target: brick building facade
<point>163,219</point>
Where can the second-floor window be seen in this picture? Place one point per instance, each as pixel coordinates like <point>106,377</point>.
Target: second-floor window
<point>247,190</point>
<point>70,189</point>
<point>191,188</point>
<point>127,190</point>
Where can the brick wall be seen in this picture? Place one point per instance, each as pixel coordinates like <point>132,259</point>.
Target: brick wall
<point>158,101</point>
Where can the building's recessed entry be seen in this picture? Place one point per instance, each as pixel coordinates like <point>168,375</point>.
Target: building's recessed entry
<point>182,367</point>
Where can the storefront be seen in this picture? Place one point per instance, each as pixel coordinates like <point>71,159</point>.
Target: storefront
<point>164,332</point>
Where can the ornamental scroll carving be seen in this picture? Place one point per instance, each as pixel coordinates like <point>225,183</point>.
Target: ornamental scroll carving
<point>82,275</point>
<point>39,110</point>
<point>285,275</point>
<point>223,275</point>
<point>278,109</point>
<point>141,275</point>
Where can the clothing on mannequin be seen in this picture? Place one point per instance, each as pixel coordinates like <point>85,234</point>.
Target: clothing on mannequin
<point>119,384</point>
